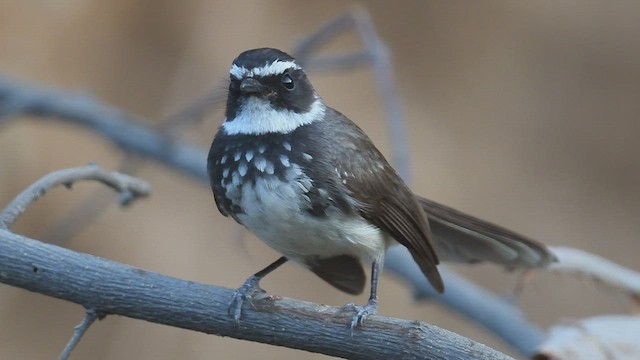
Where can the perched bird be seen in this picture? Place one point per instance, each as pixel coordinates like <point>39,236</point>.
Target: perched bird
<point>309,182</point>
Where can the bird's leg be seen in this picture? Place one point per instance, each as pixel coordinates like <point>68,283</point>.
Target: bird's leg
<point>249,288</point>
<point>372,306</point>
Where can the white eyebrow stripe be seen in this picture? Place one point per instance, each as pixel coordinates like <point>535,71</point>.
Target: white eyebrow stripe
<point>275,68</point>
<point>237,71</point>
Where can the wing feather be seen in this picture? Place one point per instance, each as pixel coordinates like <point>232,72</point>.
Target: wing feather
<point>386,201</point>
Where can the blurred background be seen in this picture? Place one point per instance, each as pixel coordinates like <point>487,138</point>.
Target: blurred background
<point>521,113</point>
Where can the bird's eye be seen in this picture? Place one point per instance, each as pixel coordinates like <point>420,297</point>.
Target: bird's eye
<point>287,82</point>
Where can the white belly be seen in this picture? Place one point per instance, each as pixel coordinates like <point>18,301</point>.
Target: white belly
<point>275,212</point>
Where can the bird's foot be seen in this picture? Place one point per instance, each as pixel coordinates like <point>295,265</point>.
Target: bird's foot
<point>362,312</point>
<point>244,293</point>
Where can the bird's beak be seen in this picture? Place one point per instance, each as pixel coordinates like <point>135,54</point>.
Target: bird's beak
<point>251,86</point>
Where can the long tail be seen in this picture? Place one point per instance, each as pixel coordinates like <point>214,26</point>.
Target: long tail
<point>462,238</point>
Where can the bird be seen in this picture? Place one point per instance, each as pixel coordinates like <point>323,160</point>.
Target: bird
<point>309,182</point>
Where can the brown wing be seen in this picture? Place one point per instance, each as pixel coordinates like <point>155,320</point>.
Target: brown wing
<point>459,237</point>
<point>386,201</point>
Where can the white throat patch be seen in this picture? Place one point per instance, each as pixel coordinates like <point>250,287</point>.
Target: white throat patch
<point>275,68</point>
<point>257,117</point>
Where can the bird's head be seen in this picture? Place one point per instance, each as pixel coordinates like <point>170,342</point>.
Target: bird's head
<point>269,93</point>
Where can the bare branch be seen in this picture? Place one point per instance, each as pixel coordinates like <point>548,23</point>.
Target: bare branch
<point>126,131</point>
<point>112,288</point>
<point>88,210</point>
<point>131,188</point>
<point>322,35</point>
<point>190,159</point>
<point>89,317</point>
<point>345,61</point>
<point>383,72</point>
<point>196,110</point>
<point>470,300</point>
<point>582,263</point>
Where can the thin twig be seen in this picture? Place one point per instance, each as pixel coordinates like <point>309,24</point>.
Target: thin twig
<point>113,288</point>
<point>89,209</point>
<point>85,213</point>
<point>324,34</point>
<point>131,188</point>
<point>194,112</point>
<point>582,263</point>
<point>383,72</point>
<point>78,331</point>
<point>337,62</point>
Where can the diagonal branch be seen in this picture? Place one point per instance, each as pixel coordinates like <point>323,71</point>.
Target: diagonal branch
<point>128,132</point>
<point>108,287</point>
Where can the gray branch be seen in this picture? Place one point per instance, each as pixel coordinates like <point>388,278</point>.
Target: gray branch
<point>130,188</point>
<point>90,316</point>
<point>494,313</point>
<point>118,127</point>
<point>128,132</point>
<point>108,287</point>
<point>583,264</point>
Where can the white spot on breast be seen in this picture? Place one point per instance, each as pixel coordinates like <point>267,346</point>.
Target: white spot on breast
<point>287,145</point>
<point>344,182</point>
<point>237,155</point>
<point>225,172</point>
<point>260,163</point>
<point>224,159</point>
<point>269,168</point>
<point>307,157</point>
<point>248,155</point>
<point>284,159</point>
<point>262,148</point>
<point>295,172</point>
<point>242,169</point>
<point>236,179</point>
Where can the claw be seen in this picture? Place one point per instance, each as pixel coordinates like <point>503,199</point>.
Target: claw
<point>242,294</point>
<point>362,312</point>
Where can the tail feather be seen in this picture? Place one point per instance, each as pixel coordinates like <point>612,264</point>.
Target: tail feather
<point>462,238</point>
<point>344,272</point>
